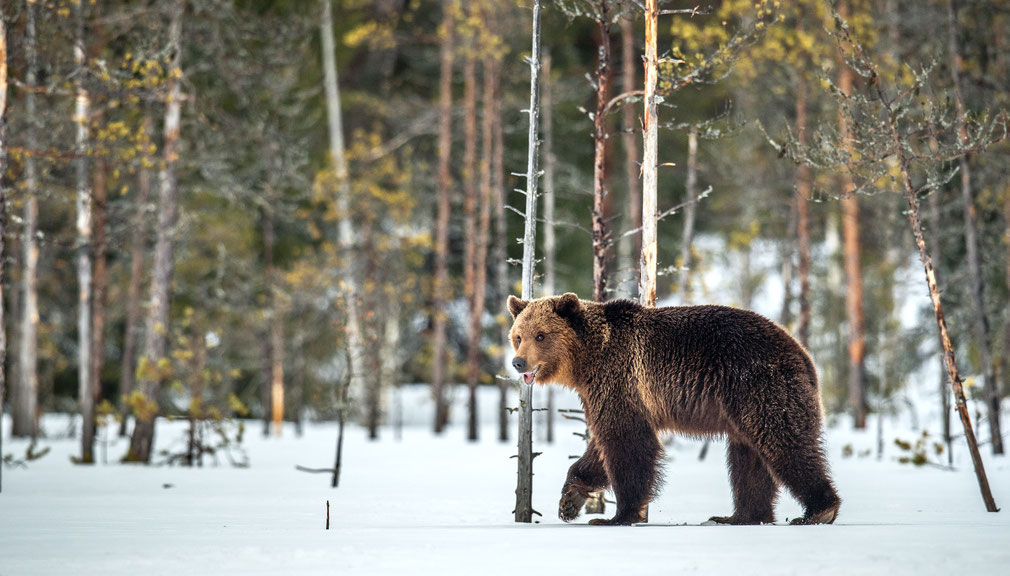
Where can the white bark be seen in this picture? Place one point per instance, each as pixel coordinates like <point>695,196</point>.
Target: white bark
<point>26,398</point>
<point>647,280</point>
<point>86,393</point>
<point>345,229</point>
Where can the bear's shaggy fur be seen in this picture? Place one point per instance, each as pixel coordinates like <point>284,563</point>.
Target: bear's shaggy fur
<point>699,370</point>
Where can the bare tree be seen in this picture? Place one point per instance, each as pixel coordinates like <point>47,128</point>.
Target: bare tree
<point>803,188</point>
<point>647,279</point>
<point>155,338</point>
<point>982,333</point>
<point>99,210</point>
<point>26,395</point>
<point>86,390</point>
<point>355,345</point>
<point>440,287</point>
<point>500,253</point>
<point>524,486</point>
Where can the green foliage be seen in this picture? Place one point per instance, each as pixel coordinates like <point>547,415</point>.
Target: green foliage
<point>920,453</point>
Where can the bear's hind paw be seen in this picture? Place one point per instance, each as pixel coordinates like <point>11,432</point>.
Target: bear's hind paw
<point>571,505</point>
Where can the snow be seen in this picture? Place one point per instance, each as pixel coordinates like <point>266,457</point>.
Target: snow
<point>441,505</point>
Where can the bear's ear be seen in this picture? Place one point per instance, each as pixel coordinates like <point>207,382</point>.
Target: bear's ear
<point>567,305</point>
<point>516,306</point>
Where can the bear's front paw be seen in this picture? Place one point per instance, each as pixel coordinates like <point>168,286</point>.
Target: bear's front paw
<point>571,504</point>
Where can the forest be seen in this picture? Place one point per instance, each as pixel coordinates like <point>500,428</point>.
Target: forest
<point>281,213</point>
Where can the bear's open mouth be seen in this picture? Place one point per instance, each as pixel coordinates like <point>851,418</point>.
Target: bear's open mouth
<point>528,376</point>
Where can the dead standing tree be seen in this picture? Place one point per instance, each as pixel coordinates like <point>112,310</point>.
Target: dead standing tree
<point>524,487</point>
<point>891,126</point>
<point>3,214</point>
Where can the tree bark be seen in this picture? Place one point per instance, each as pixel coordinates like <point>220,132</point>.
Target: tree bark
<point>86,390</point>
<point>157,329</point>
<point>500,252</point>
<point>690,210</point>
<point>100,281</point>
<point>600,137</point>
<point>524,485</point>
<point>550,239</point>
<point>440,287</point>
<point>934,217</point>
<point>803,188</point>
<point>26,395</point>
<point>631,133</point>
<point>138,231</point>
<point>647,279</point>
<point>3,217</point>
<point>982,332</point>
<point>851,247</point>
<point>470,202</point>
<point>276,316</point>
<point>355,345</point>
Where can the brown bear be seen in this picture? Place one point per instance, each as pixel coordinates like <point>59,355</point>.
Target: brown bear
<point>698,370</point>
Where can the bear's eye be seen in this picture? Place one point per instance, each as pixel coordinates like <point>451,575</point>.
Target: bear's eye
<point>519,340</point>
<point>540,338</point>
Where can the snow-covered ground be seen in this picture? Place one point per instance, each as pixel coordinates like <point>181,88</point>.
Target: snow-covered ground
<point>442,506</point>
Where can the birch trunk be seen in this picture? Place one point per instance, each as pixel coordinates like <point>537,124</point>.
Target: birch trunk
<point>25,415</point>
<point>631,133</point>
<point>86,391</point>
<point>157,329</point>
<point>440,287</point>
<point>803,187</point>
<point>524,485</point>
<point>690,210</point>
<point>550,241</point>
<point>100,280</point>
<point>982,332</point>
<point>133,293</point>
<point>355,346</point>
<point>647,278</point>
<point>851,246</point>
<point>3,216</point>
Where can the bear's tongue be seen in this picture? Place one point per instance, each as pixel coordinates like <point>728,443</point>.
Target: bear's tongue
<point>528,377</point>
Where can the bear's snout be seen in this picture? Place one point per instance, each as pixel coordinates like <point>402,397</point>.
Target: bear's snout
<point>519,364</point>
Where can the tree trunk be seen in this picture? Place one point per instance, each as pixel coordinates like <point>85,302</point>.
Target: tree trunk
<point>483,227</point>
<point>690,210</point>
<point>86,391</point>
<point>600,136</point>
<point>853,265</point>
<point>3,217</point>
<point>950,359</point>
<point>470,221</point>
<point>276,320</point>
<point>631,133</point>
<point>982,332</point>
<point>26,393</point>
<point>500,253</point>
<point>355,345</point>
<point>550,240</point>
<point>133,294</point>
<point>524,486</point>
<point>937,238</point>
<point>440,287</point>
<point>157,329</point>
<point>100,282</point>
<point>647,279</point>
<point>803,187</point>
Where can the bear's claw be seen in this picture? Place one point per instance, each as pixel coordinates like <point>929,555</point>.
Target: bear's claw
<point>571,505</point>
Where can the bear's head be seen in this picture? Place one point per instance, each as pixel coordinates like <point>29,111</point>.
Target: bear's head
<point>544,338</point>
